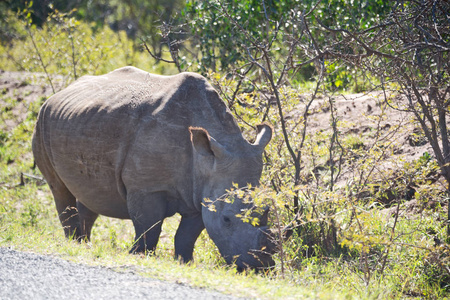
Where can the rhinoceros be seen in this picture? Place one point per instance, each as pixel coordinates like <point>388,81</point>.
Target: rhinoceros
<point>133,145</point>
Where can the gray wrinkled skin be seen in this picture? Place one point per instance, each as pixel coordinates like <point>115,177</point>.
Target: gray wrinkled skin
<point>138,146</point>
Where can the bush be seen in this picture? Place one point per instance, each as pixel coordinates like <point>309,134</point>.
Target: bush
<point>66,48</point>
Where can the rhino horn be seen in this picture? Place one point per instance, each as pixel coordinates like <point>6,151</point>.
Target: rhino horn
<point>265,217</point>
<point>205,144</point>
<point>263,137</point>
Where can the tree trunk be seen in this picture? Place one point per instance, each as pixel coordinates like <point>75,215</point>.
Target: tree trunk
<point>448,212</point>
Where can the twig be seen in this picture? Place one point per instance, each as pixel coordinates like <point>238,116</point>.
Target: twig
<point>40,58</point>
<point>32,176</point>
<point>280,237</point>
<point>391,239</point>
<point>74,62</point>
<point>156,57</point>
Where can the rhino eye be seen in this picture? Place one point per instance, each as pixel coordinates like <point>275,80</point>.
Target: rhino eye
<point>227,221</point>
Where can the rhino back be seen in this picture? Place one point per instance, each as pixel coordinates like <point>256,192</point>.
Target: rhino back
<point>128,130</point>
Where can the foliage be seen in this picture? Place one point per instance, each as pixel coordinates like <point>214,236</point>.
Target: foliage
<point>409,52</point>
<point>65,49</point>
<point>135,17</point>
<point>72,49</point>
<point>270,22</point>
<point>212,29</point>
<point>304,168</point>
<point>436,266</point>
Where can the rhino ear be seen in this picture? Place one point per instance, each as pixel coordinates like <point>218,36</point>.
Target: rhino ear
<point>263,137</point>
<point>204,144</point>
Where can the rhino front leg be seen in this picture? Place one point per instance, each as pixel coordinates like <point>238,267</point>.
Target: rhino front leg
<point>187,233</point>
<point>147,211</point>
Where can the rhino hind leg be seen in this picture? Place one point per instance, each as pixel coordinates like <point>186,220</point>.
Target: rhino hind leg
<point>187,233</point>
<point>66,206</point>
<point>87,218</point>
<point>147,211</point>
<point>64,200</point>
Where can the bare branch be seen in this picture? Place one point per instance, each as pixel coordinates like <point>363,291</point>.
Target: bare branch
<point>154,56</point>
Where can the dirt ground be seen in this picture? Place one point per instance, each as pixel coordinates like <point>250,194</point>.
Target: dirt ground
<point>24,88</point>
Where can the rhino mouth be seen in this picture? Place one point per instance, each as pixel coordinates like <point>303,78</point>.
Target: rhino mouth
<point>260,261</point>
<point>253,259</point>
<point>264,258</point>
<point>260,257</point>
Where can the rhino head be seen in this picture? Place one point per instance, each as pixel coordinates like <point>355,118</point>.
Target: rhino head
<point>217,169</point>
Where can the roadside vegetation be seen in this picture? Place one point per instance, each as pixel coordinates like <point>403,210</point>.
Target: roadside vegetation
<point>358,95</point>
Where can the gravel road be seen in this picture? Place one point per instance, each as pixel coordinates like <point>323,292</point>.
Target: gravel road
<point>33,276</point>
